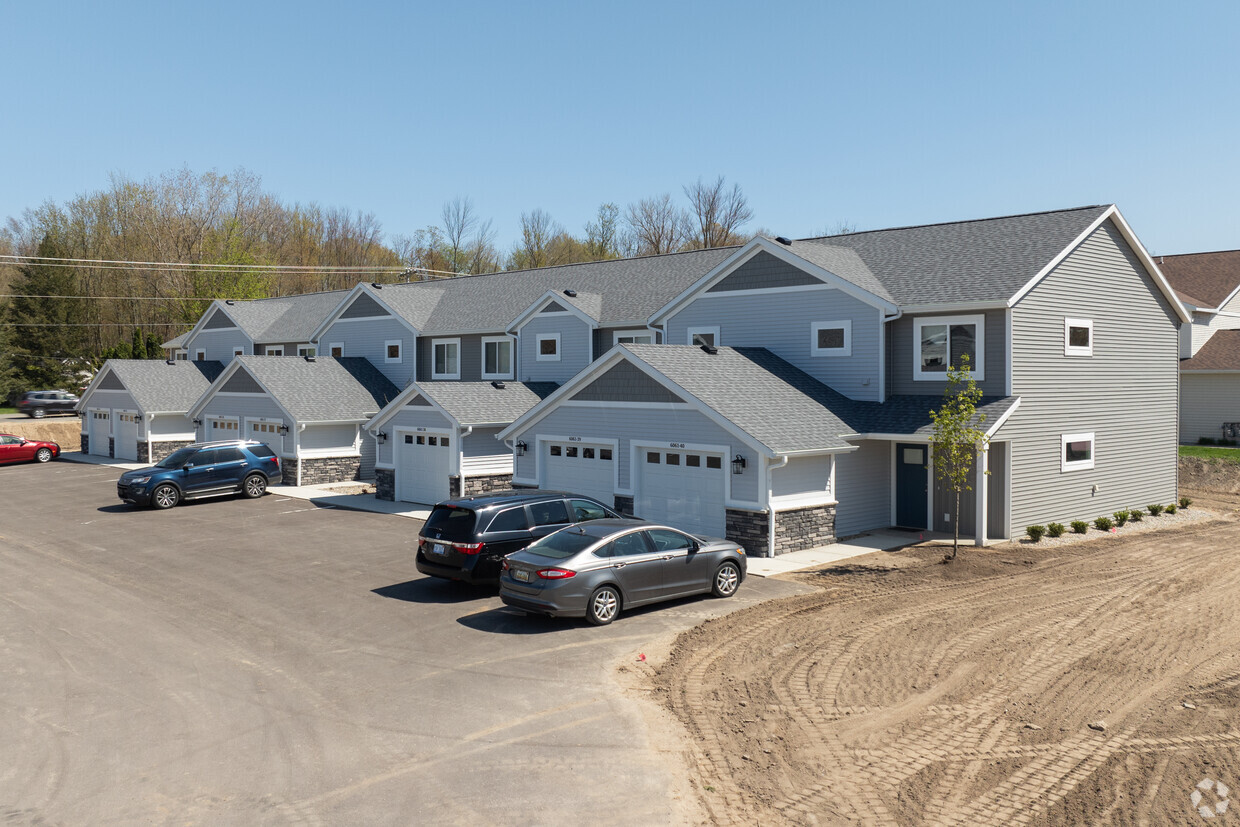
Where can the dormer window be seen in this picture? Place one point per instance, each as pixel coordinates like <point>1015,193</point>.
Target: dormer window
<point>942,341</point>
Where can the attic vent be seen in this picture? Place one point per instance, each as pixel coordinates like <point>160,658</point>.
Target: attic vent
<point>572,294</point>
<point>229,302</point>
<point>171,361</point>
<point>787,242</point>
<point>308,358</point>
<point>498,384</point>
<point>376,285</point>
<point>711,349</point>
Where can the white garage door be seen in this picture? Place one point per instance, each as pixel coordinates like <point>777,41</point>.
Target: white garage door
<point>126,436</point>
<point>580,468</point>
<point>684,489</point>
<point>98,429</point>
<point>268,432</point>
<point>423,462</point>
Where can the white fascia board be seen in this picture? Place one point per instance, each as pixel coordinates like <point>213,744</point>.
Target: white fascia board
<point>811,452</point>
<point>396,405</point>
<point>741,256</point>
<point>1004,417</point>
<point>537,307</point>
<point>1111,212</point>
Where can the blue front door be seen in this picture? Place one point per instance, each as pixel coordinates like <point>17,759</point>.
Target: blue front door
<point>912,479</point>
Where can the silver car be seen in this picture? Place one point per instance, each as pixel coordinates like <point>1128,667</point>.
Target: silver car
<point>595,569</point>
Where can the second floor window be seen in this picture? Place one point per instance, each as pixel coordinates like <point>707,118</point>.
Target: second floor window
<point>548,347</point>
<point>446,362</point>
<point>391,351</point>
<point>942,341</point>
<point>497,358</point>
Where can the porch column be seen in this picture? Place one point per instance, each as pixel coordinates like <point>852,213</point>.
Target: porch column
<point>982,499</point>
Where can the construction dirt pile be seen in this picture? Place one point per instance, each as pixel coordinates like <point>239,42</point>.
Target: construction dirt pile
<point>66,434</point>
<point>1210,475</point>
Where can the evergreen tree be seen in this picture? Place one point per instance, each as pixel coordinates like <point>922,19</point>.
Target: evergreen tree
<point>47,340</point>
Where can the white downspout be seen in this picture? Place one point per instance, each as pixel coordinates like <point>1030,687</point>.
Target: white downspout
<point>770,509</point>
<point>882,356</point>
<point>297,449</point>
<point>461,434</point>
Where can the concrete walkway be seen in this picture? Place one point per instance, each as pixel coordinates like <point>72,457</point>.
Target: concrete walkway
<point>823,555</point>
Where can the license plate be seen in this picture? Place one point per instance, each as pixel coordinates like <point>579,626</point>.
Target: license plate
<point>438,549</point>
<point>521,574</point>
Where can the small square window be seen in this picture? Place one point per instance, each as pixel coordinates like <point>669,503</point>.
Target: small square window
<point>714,462</point>
<point>699,336</point>
<point>408,439</point>
<point>831,338</point>
<point>587,453</point>
<point>556,451</point>
<point>432,440</point>
<point>604,454</point>
<point>652,457</point>
<point>548,347</point>
<point>391,351</point>
<point>443,442</point>
<point>673,459</point>
<point>571,451</point>
<point>421,440</point>
<point>336,350</point>
<point>693,460</point>
<point>1078,337</point>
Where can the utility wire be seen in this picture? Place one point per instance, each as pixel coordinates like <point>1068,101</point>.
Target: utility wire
<point>309,268</point>
<point>126,298</point>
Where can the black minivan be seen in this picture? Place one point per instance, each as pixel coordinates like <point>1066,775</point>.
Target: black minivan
<point>467,539</point>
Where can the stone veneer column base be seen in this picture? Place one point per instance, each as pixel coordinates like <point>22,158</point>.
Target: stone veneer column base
<point>112,447</point>
<point>385,484</point>
<point>523,485</point>
<point>320,470</point>
<point>803,528</point>
<point>477,486</point>
<point>155,451</point>
<point>85,443</point>
<point>750,529</point>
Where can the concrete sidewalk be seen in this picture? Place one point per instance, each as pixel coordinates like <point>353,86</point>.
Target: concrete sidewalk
<point>822,555</point>
<point>324,497</point>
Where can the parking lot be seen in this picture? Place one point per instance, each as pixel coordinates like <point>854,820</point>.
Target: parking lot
<point>271,662</point>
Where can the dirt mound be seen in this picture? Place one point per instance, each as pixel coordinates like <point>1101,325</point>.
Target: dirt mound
<point>1210,475</point>
<point>66,434</point>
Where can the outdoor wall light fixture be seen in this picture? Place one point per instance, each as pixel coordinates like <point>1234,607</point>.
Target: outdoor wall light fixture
<point>197,423</point>
<point>738,465</point>
<point>283,429</point>
<point>381,436</point>
<point>521,446</point>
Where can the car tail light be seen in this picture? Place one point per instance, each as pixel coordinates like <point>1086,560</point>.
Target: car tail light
<point>469,548</point>
<point>504,565</point>
<point>556,574</point>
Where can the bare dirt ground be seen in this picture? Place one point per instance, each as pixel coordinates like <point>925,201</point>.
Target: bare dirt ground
<point>65,433</point>
<point>909,692</point>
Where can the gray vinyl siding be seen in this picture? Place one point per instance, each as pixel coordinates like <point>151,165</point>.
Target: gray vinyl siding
<point>1205,326</point>
<point>171,426</point>
<point>863,488</point>
<point>1126,393</point>
<point>241,382</point>
<point>997,485</point>
<point>483,454</point>
<point>575,348</point>
<point>114,400</point>
<point>408,418</point>
<point>219,344</point>
<point>244,407</point>
<point>625,382</point>
<point>763,271</point>
<point>647,425</point>
<point>901,355</point>
<point>469,353</point>
<point>605,338</point>
<point>218,320</point>
<point>801,475</point>
<point>363,307</point>
<point>367,339</point>
<point>944,504</point>
<point>338,438</point>
<point>369,451</point>
<point>1207,400</point>
<point>289,348</point>
<point>782,322</point>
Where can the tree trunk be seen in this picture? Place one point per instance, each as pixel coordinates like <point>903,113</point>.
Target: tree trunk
<point>956,526</point>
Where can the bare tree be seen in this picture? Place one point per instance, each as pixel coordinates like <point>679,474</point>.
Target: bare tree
<point>716,213</point>
<point>603,235</point>
<point>657,225</point>
<point>539,231</point>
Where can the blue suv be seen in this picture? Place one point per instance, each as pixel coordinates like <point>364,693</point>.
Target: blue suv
<point>204,469</point>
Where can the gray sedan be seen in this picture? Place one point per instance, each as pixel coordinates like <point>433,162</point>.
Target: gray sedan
<point>595,569</point>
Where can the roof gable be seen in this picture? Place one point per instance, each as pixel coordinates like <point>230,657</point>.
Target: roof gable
<point>110,382</point>
<point>553,307</point>
<point>625,383</point>
<point>218,320</point>
<point>1206,280</point>
<point>241,382</point>
<point>763,271</point>
<point>363,307</point>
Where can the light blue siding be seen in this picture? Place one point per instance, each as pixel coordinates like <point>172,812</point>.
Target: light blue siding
<point>656,426</point>
<point>863,488</point>
<point>219,344</point>
<point>367,339</point>
<point>901,355</point>
<point>575,348</point>
<point>419,417</point>
<point>1126,393</point>
<point>801,475</point>
<point>114,401</point>
<point>782,323</point>
<point>240,406</point>
<point>469,353</point>
<point>336,438</point>
<point>172,426</point>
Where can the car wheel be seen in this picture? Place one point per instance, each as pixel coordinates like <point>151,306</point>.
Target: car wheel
<point>38,413</point>
<point>254,486</point>
<point>604,606</point>
<point>43,455</point>
<point>165,496</point>
<point>727,579</point>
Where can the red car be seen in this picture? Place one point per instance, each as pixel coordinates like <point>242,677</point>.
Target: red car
<point>20,449</point>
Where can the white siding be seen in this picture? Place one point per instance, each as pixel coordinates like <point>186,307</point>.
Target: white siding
<point>1205,325</point>
<point>171,426</point>
<point>483,454</point>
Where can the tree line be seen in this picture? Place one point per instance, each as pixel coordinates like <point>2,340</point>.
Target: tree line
<point>138,261</point>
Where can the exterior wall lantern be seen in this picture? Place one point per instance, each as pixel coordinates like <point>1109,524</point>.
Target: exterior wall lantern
<point>283,429</point>
<point>521,446</point>
<point>197,423</point>
<point>381,436</point>
<point>738,465</point>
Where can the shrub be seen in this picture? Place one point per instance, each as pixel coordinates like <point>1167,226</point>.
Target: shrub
<point>1103,523</point>
<point>1226,441</point>
<point>1035,532</point>
<point>1121,517</point>
<point>1185,502</point>
<point>1171,508</point>
<point>1155,509</point>
<point>1055,529</point>
<point>1206,440</point>
<point>1135,515</point>
<point>1079,526</point>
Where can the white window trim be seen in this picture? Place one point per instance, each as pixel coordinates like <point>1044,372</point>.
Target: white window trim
<point>238,351</point>
<point>486,340</point>
<point>435,343</point>
<point>617,335</point>
<point>543,357</point>
<point>846,350</point>
<point>1070,350</point>
<point>273,350</point>
<point>400,352</point>
<point>693,331</point>
<point>333,346</point>
<point>1079,465</point>
<point>304,350</point>
<point>181,355</point>
<point>200,355</point>
<point>978,370</point>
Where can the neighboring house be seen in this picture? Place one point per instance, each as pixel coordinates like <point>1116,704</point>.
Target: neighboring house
<point>175,348</point>
<point>1209,286</point>
<point>264,327</point>
<point>309,410</point>
<point>1072,335</point>
<point>134,409</point>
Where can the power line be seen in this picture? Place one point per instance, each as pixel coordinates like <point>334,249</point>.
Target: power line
<point>124,298</point>
<point>293,269</point>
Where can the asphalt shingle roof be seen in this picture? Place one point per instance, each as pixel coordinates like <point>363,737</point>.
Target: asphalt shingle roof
<point>159,387</point>
<point>1202,279</point>
<point>983,260</point>
<point>481,403</point>
<point>1220,352</point>
<point>285,319</point>
<point>323,390</point>
<point>747,385</point>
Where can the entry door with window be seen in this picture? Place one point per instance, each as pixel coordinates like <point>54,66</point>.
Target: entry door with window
<point>912,479</point>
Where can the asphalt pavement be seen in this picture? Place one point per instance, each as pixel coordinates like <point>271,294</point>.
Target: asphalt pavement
<point>279,662</point>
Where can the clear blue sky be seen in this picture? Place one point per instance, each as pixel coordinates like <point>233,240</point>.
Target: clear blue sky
<point>878,114</point>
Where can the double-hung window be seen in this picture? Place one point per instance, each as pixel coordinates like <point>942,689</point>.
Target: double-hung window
<point>940,342</point>
<point>496,357</point>
<point>446,359</point>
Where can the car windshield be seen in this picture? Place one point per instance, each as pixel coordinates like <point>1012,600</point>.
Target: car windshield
<point>562,544</point>
<point>451,523</point>
<point>177,458</point>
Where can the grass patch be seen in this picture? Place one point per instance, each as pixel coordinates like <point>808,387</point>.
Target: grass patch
<point>1207,452</point>
<point>7,410</point>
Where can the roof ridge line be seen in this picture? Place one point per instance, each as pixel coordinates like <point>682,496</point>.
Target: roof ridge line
<point>948,223</point>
